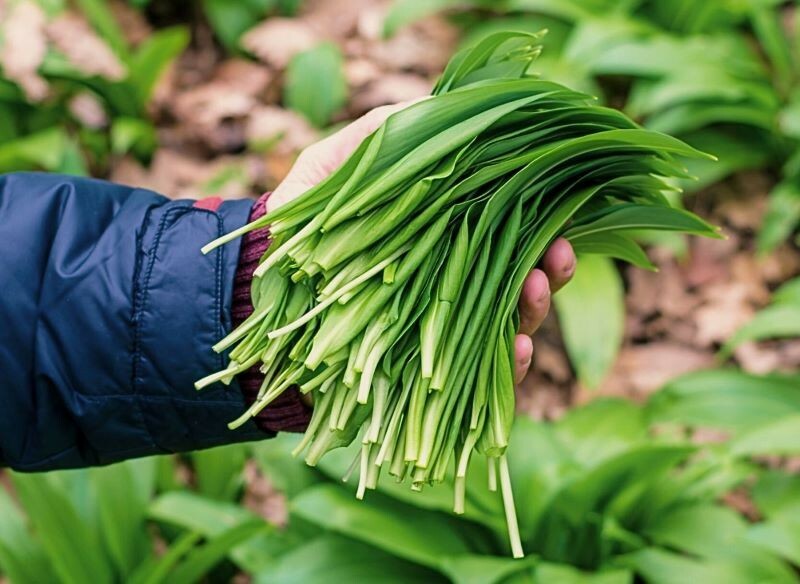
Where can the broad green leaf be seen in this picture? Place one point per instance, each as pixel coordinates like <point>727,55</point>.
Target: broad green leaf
<point>780,535</point>
<point>788,292</point>
<point>613,245</point>
<point>99,14</point>
<point>659,566</point>
<point>773,322</point>
<point>716,533</point>
<point>403,12</point>
<point>133,134</point>
<point>601,429</point>
<point>230,20</point>
<point>781,436</point>
<point>210,518</point>
<point>776,492</point>
<point>202,559</point>
<point>72,544</point>
<point>315,84</point>
<point>591,314</point>
<point>424,537</point>
<point>483,569</point>
<point>632,216</point>
<point>156,570</point>
<point>333,558</point>
<point>39,151</point>
<point>782,217</point>
<point>122,493</point>
<point>219,471</point>
<point>22,557</point>
<point>725,398</point>
<point>153,57</point>
<point>546,573</point>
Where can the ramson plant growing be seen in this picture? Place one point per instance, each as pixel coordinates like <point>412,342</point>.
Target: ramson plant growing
<point>390,290</point>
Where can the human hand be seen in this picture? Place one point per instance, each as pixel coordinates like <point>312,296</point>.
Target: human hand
<point>319,160</point>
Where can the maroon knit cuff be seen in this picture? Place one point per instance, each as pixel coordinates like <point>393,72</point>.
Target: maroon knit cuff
<point>287,413</point>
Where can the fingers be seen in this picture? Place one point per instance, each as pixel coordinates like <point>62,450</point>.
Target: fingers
<point>319,160</point>
<point>559,263</point>
<point>534,302</point>
<point>523,353</point>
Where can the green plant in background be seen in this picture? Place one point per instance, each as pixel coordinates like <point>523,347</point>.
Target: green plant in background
<point>44,134</point>
<point>91,526</point>
<point>612,491</point>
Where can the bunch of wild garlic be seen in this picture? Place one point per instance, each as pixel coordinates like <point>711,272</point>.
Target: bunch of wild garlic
<point>390,290</point>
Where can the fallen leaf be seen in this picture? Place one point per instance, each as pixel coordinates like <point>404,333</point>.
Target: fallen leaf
<point>84,49</point>
<point>290,131</point>
<point>23,47</point>
<point>88,110</point>
<point>388,89</point>
<point>276,40</point>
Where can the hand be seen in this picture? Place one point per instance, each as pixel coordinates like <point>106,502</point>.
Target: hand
<point>319,160</point>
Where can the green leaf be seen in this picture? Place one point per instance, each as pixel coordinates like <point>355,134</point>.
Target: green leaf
<point>659,566</point>
<point>773,322</point>
<point>632,216</point>
<point>483,569</point>
<point>22,557</point>
<point>601,429</point>
<point>591,313</point>
<point>725,398</point>
<point>613,245</point>
<point>201,560</point>
<point>219,471</point>
<point>776,492</point>
<point>782,217</point>
<point>153,57</point>
<point>99,14</point>
<point>717,533</point>
<point>133,134</point>
<point>211,518</point>
<point>230,20</point>
<point>424,537</point>
<point>546,573</point>
<point>780,436</point>
<point>315,84</point>
<point>403,12</point>
<point>122,493</point>
<point>71,542</point>
<point>333,558</point>
<point>780,535</point>
<point>42,150</point>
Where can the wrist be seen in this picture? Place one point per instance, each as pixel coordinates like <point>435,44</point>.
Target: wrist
<point>288,413</point>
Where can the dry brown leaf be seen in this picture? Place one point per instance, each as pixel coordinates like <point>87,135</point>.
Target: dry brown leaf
<point>642,369</point>
<point>291,131</point>
<point>388,89</point>
<point>276,40</point>
<point>88,53</point>
<point>23,47</point>
<point>424,47</point>
<point>727,307</point>
<point>88,110</point>
<point>339,19</point>
<point>243,76</point>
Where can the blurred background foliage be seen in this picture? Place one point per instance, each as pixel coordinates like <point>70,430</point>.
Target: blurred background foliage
<point>681,465</point>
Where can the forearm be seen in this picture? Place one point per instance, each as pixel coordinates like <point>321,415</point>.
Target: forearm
<point>107,317</point>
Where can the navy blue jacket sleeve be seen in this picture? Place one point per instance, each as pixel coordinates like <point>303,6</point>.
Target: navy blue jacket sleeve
<point>108,312</point>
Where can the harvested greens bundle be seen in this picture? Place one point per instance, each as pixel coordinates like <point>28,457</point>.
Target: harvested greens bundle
<point>390,290</point>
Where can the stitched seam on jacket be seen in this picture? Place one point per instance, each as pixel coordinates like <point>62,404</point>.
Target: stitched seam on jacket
<point>139,306</point>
